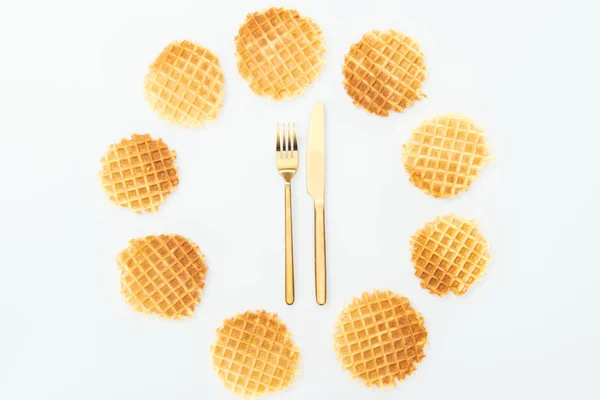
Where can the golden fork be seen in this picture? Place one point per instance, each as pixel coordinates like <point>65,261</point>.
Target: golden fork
<point>287,165</point>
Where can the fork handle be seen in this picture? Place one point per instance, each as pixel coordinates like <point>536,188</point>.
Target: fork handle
<point>289,247</point>
<point>320,256</point>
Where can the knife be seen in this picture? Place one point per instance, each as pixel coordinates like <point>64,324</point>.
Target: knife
<point>315,185</point>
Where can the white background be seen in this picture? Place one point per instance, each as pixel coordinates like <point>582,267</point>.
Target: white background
<point>71,76</point>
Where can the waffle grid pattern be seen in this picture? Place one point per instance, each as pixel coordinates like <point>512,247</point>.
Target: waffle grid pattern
<point>379,338</point>
<point>139,173</point>
<point>254,354</point>
<point>279,52</point>
<point>449,254</point>
<point>444,155</point>
<point>384,72</point>
<point>185,84</point>
<point>162,274</point>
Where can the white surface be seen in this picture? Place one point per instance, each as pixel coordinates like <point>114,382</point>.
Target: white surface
<point>70,84</point>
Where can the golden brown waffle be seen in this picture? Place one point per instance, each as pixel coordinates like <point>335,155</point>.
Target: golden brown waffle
<point>185,84</point>
<point>162,274</point>
<point>444,155</point>
<point>139,173</point>
<point>279,52</point>
<point>254,354</point>
<point>449,254</point>
<point>380,337</point>
<point>384,72</point>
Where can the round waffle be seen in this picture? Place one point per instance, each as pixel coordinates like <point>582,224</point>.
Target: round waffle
<point>162,274</point>
<point>379,338</point>
<point>449,254</point>
<point>185,84</point>
<point>254,354</point>
<point>139,173</point>
<point>384,72</point>
<point>279,52</point>
<point>444,155</point>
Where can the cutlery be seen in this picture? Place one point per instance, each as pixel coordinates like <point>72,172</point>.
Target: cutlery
<point>315,185</point>
<point>287,165</point>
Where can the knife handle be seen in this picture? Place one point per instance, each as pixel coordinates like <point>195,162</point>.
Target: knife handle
<point>289,247</point>
<point>320,257</point>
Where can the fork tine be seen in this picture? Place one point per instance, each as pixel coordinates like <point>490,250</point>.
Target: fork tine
<point>287,141</point>
<point>278,145</point>
<point>295,139</point>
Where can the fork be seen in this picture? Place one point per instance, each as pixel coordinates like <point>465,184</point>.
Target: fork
<point>287,165</point>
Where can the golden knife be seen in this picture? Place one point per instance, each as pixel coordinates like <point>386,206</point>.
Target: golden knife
<point>315,185</point>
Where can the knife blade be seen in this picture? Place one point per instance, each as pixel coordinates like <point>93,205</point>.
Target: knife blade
<point>315,185</point>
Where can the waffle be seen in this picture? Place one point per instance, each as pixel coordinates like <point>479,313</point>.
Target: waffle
<point>384,72</point>
<point>444,155</point>
<point>279,52</point>
<point>139,173</point>
<point>185,84</point>
<point>379,338</point>
<point>162,274</point>
<point>254,354</point>
<point>449,254</point>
